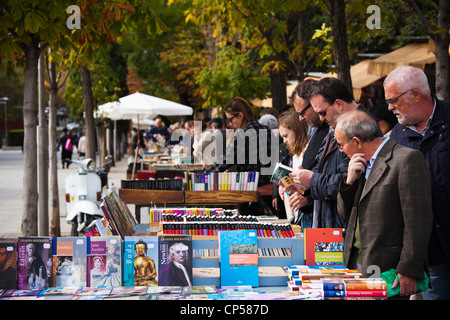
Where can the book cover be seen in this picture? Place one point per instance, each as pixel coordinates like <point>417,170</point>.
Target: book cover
<point>238,254</point>
<point>140,261</point>
<point>8,263</point>
<point>34,263</point>
<point>175,261</point>
<point>281,177</point>
<point>69,261</point>
<point>324,246</point>
<point>104,262</point>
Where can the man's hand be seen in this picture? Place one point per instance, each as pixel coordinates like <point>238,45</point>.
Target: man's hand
<point>356,167</point>
<point>297,201</point>
<point>302,177</point>
<point>408,285</point>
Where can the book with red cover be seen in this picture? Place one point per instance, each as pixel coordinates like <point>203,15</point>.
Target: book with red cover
<point>324,246</point>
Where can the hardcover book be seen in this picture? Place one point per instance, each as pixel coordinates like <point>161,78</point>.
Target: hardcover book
<point>34,263</point>
<point>324,246</point>
<point>238,254</point>
<point>281,177</point>
<point>69,261</point>
<point>175,261</point>
<point>140,261</point>
<point>104,262</point>
<point>8,263</point>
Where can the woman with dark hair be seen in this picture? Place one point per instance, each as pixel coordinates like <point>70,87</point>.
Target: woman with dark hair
<point>249,148</point>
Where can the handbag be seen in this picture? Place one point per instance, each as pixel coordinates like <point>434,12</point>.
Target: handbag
<point>69,146</point>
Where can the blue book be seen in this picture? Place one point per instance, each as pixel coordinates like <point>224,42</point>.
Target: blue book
<point>140,261</point>
<point>238,251</point>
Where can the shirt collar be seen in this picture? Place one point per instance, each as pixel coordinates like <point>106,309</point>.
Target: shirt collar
<point>427,126</point>
<point>375,154</point>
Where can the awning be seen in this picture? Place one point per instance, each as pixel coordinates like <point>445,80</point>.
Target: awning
<point>416,55</point>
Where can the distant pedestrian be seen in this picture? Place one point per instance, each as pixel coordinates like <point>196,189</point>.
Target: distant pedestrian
<point>66,147</point>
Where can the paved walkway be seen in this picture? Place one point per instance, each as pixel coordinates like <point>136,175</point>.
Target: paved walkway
<point>11,190</point>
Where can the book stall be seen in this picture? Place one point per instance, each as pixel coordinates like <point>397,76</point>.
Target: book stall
<point>196,246</point>
<point>185,253</point>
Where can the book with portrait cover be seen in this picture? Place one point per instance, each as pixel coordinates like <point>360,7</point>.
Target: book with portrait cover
<point>8,263</point>
<point>34,263</point>
<point>175,261</point>
<point>324,246</point>
<point>140,261</point>
<point>238,255</point>
<point>104,262</point>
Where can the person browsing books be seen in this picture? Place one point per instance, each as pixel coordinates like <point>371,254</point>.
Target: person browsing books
<point>385,199</point>
<point>424,122</point>
<point>316,140</point>
<point>294,135</point>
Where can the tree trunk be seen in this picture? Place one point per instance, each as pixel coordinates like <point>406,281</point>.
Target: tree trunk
<point>30,193</point>
<point>442,40</point>
<point>338,23</point>
<point>278,89</point>
<point>88,112</point>
<point>55,225</point>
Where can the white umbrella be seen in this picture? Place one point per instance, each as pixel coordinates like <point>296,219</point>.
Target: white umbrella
<point>141,106</point>
<point>146,105</point>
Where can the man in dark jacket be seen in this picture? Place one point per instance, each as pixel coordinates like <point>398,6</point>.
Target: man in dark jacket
<point>424,125</point>
<point>316,139</point>
<point>329,98</point>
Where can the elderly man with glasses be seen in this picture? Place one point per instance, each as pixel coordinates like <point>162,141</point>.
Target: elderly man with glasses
<point>424,125</point>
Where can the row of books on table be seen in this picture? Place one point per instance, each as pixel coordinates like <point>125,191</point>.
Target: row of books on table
<point>42,262</point>
<point>334,282</point>
<point>210,292</point>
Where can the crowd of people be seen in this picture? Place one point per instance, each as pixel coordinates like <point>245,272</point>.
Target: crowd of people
<point>380,174</point>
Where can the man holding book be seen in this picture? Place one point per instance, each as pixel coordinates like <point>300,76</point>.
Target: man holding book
<point>385,200</point>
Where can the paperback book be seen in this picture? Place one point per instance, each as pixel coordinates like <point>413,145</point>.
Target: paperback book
<point>281,177</point>
<point>69,261</point>
<point>8,263</point>
<point>238,254</point>
<point>34,263</point>
<point>324,246</point>
<point>175,261</point>
<point>104,262</point>
<point>140,261</point>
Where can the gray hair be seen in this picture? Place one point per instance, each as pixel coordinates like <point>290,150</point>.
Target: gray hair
<point>358,124</point>
<point>408,77</point>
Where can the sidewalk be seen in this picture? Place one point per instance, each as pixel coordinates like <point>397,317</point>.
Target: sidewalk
<point>11,188</point>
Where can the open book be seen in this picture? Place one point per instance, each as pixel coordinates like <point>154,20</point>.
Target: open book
<point>281,177</point>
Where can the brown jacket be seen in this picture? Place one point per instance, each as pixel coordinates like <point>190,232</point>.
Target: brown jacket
<point>394,208</point>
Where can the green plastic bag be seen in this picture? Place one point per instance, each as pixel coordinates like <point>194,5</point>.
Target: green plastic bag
<point>391,275</point>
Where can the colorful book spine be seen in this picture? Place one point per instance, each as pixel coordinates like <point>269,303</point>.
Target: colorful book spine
<point>232,181</point>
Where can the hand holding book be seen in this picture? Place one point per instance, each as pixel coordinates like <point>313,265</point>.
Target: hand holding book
<point>302,177</point>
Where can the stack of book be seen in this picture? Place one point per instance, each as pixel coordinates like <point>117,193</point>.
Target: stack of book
<point>308,279</point>
<point>118,219</point>
<point>354,288</point>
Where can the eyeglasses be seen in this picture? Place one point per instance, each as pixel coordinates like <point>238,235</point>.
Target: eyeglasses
<point>229,120</point>
<point>304,109</point>
<point>323,112</point>
<point>341,146</point>
<point>392,101</point>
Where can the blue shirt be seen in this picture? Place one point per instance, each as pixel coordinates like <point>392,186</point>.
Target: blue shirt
<point>374,156</point>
